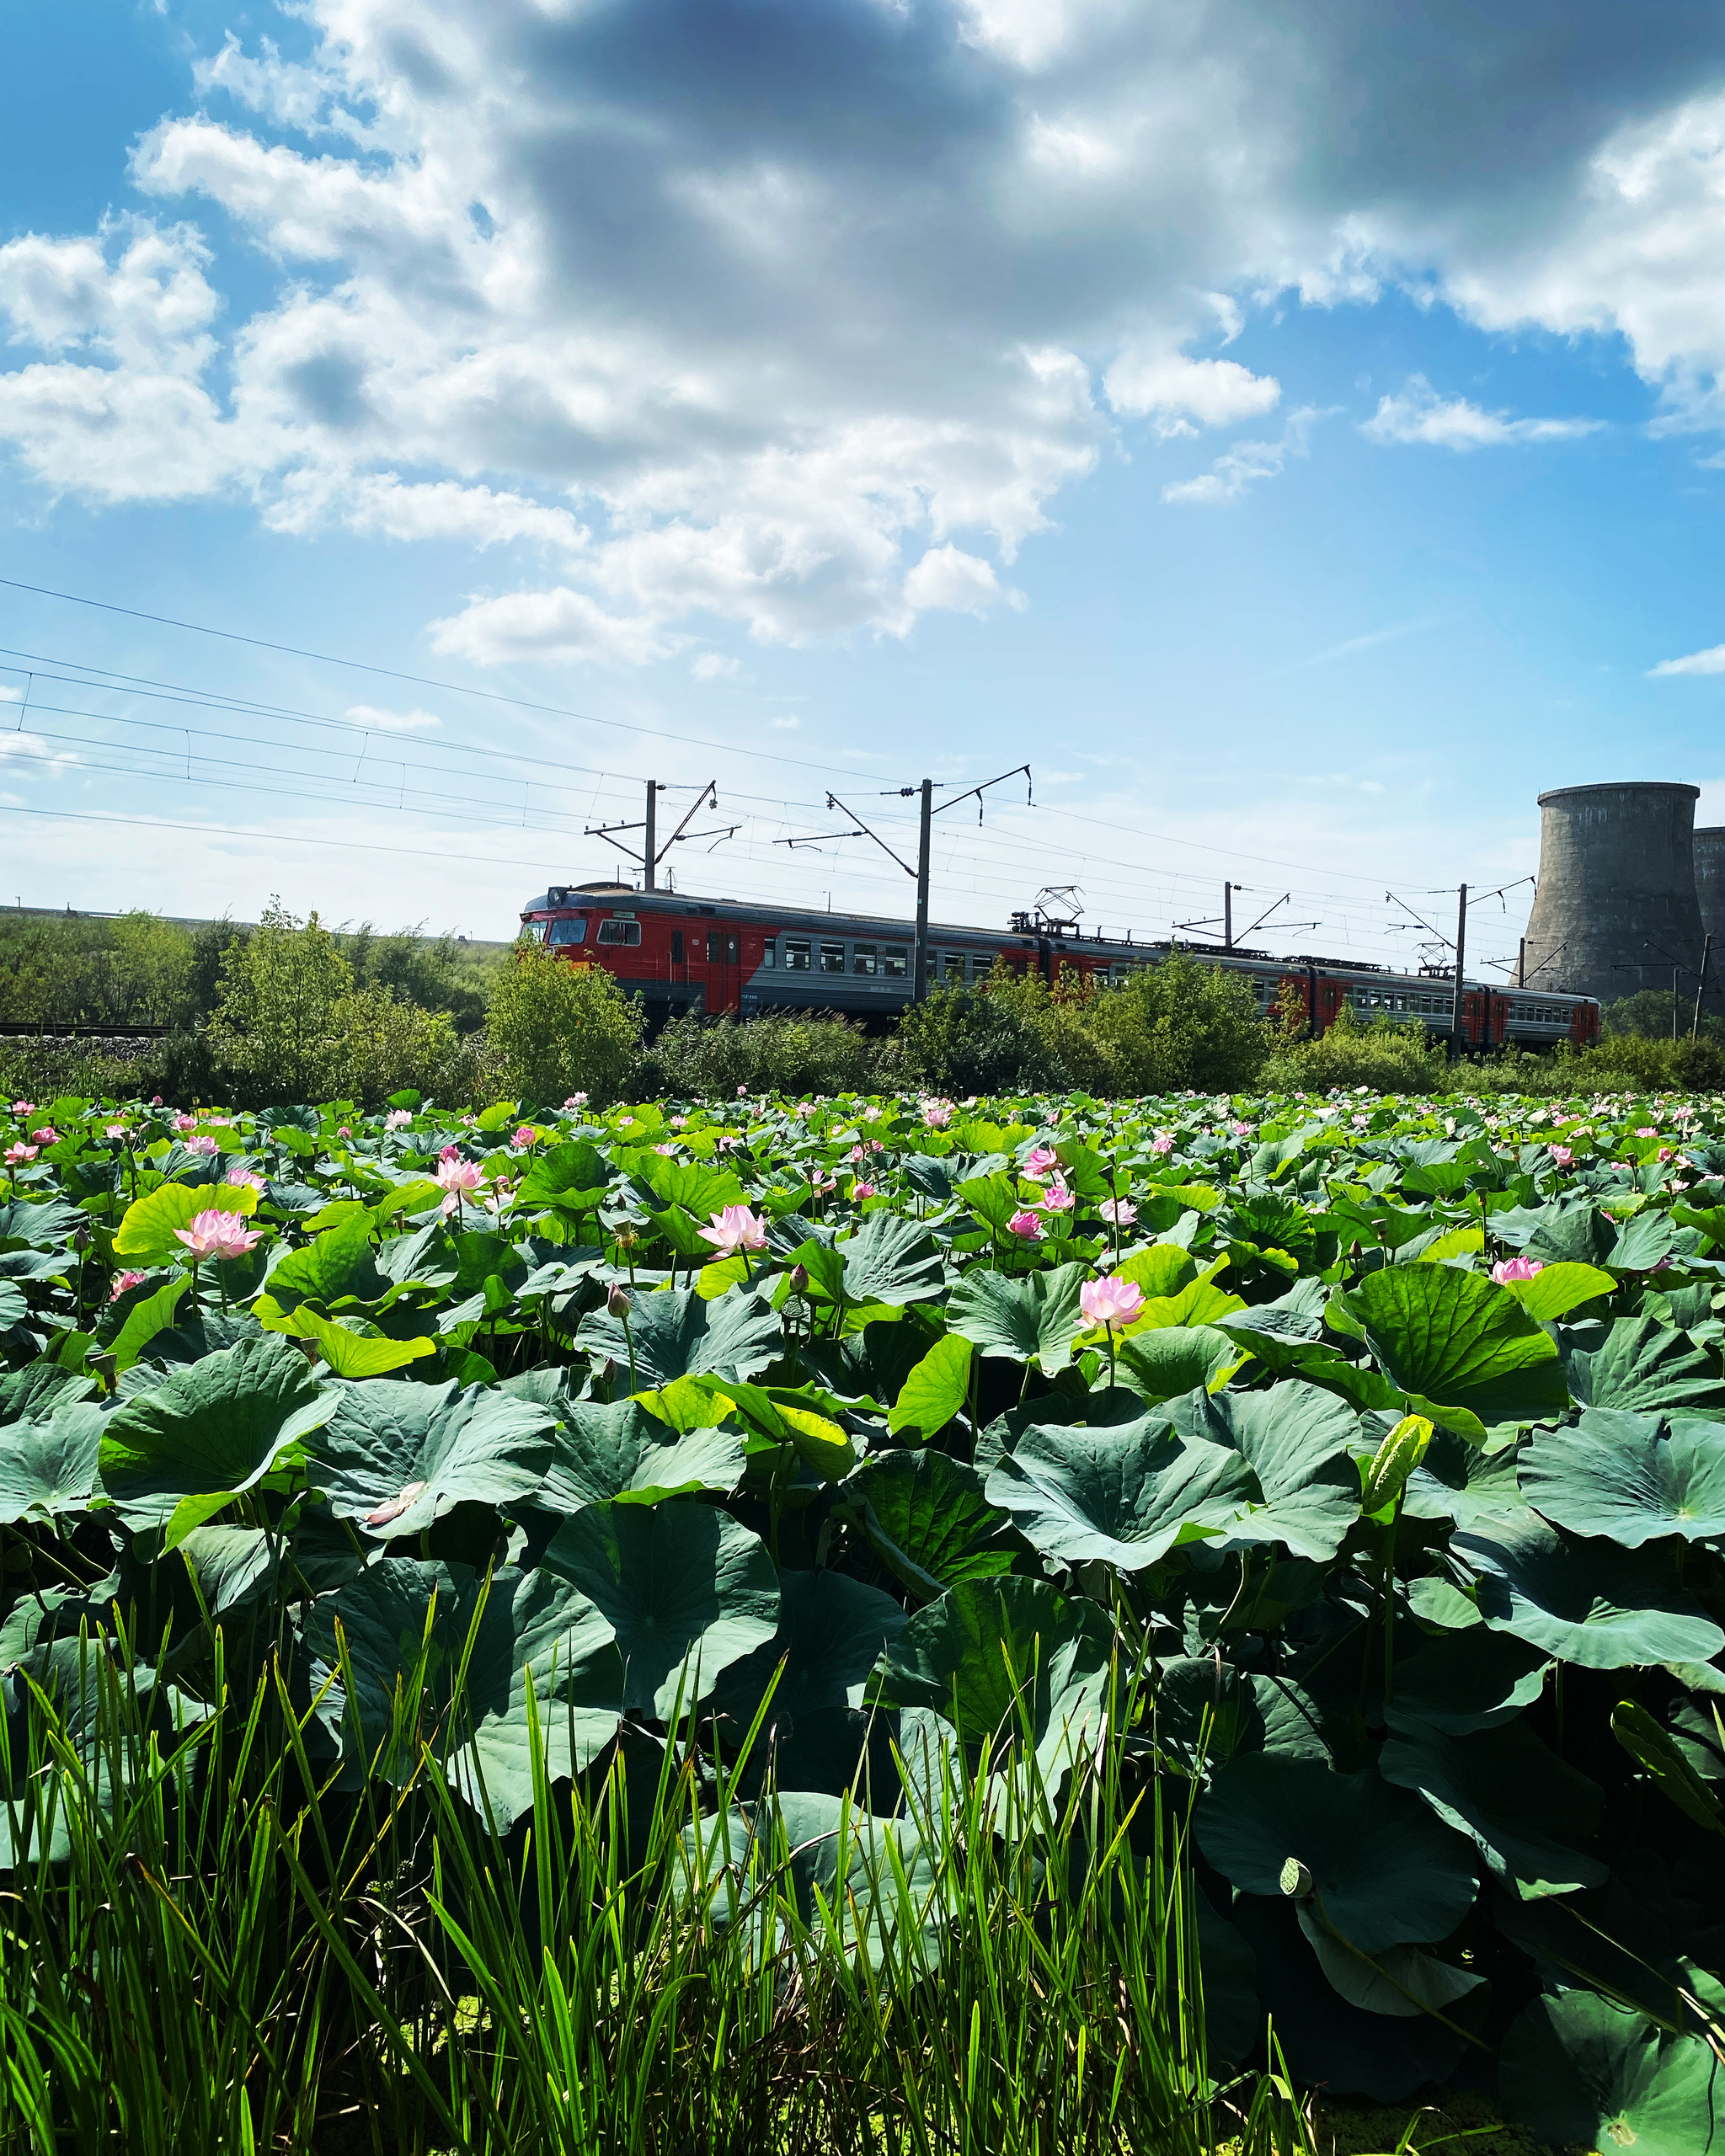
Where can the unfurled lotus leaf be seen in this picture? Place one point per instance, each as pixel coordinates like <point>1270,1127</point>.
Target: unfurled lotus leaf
<point>600,1452</point>
<point>1384,1871</point>
<point>1581,2070</point>
<point>1589,1602</point>
<point>928,1519</point>
<point>1460,1340</point>
<point>1033,1319</point>
<point>1631,1478</point>
<point>1645,1368</point>
<point>686,1590</point>
<point>676,1333</point>
<point>1512,1796</point>
<point>1124,1497</point>
<point>395,1456</point>
<point>1298,1442</point>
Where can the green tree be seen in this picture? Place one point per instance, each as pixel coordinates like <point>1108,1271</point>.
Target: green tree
<point>559,1029</point>
<point>275,1022</point>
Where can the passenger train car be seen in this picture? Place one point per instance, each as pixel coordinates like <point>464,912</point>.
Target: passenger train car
<point>680,953</point>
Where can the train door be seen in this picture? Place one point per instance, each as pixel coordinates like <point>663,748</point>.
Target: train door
<point>724,970</point>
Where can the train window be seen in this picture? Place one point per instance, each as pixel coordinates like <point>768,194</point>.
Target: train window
<point>619,931</point>
<point>796,954</point>
<point>864,959</point>
<point>953,968</point>
<point>721,950</point>
<point>676,947</point>
<point>832,958</point>
<point>534,931</point>
<point>769,953</point>
<point>568,932</point>
<point>894,961</point>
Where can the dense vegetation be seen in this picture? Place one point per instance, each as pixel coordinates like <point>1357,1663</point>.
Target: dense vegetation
<point>806,1624</point>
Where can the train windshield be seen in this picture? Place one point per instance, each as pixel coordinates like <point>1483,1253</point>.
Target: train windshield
<point>567,931</point>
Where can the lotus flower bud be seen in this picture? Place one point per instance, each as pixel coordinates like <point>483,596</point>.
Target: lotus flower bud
<point>81,1239</point>
<point>799,1280</point>
<point>607,1369</point>
<point>617,1302</point>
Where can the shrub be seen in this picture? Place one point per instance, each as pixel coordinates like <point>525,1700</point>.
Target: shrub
<point>1174,1025</point>
<point>1389,1057</point>
<point>962,1042</point>
<point>436,975</point>
<point>783,1052</point>
<point>1651,1065</point>
<point>1654,1014</point>
<point>274,1030</point>
<point>556,1029</point>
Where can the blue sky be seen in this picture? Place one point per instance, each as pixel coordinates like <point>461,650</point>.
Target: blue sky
<point>1295,432</point>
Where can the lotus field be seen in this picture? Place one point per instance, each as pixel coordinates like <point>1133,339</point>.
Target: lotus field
<point>867,1623</point>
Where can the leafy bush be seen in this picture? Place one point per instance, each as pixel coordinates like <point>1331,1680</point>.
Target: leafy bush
<point>558,1029</point>
<point>1388,1058</point>
<point>436,975</point>
<point>1654,1014</point>
<point>79,969</point>
<point>1173,1026</point>
<point>786,1052</point>
<point>1632,1060</point>
<point>961,1042</point>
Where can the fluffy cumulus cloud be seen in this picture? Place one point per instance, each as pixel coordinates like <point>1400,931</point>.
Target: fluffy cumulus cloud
<point>795,316</point>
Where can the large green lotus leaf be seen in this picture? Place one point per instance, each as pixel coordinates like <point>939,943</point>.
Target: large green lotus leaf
<point>1207,1711</point>
<point>217,1426</point>
<point>928,1520</point>
<point>43,1226</point>
<point>538,1631</point>
<point>1458,1338</point>
<point>395,1455</point>
<point>1573,1231</point>
<point>1124,1497</point>
<point>148,1234</point>
<point>403,1626</point>
<point>148,1318</point>
<point>1643,1243</point>
<point>1629,1477</point>
<point>1299,1440</point>
<point>1035,1318</point>
<point>935,1390</point>
<point>1403,1981</point>
<point>1326,2041</point>
<point>1232,2016</point>
<point>1458,1683</point>
<point>1171,1359</point>
<point>998,1657</point>
<point>1385,1871</point>
<point>340,1261</point>
<point>600,1452</point>
<point>892,1261</point>
<point>686,1590</point>
<point>1647,1369</point>
<point>697,1186</point>
<point>1558,1290</point>
<point>231,1564</point>
<point>677,1334</point>
<point>48,1468</point>
<point>1606,1608</point>
<point>831,1630</point>
<point>38,1391</point>
<point>1459,1481</point>
<point>1512,1796</point>
<point>571,1177</point>
<point>1583,2071</point>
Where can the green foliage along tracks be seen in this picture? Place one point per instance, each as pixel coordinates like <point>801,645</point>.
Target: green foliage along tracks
<point>810,1624</point>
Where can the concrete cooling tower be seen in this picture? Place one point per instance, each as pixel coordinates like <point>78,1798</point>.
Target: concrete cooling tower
<point>1710,892</point>
<point>1616,906</point>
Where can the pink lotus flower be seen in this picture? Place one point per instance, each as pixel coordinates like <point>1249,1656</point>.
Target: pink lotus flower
<point>125,1283</point>
<point>1038,1161</point>
<point>937,1113</point>
<point>1059,1199</point>
<point>1665,1153</point>
<point>16,1155</point>
<point>1025,1223</point>
<point>342,1131</point>
<point>1111,1302</point>
<point>22,1107</point>
<point>626,1123</point>
<point>47,1135</point>
<point>735,1228</point>
<point>1117,1212</point>
<point>184,1122</point>
<point>859,1191</point>
<point>664,1149</point>
<point>742,1092</point>
<point>455,1175</point>
<point>155,1100</point>
<point>202,1144</point>
<point>804,1108</point>
<point>856,1153</point>
<point>1516,1268</point>
<point>244,1179</point>
<point>1240,1129</point>
<point>115,1130</point>
<point>217,1234</point>
<point>397,1119</point>
<point>1163,1142</point>
<point>1647,1130</point>
<point>451,1205</point>
<point>576,1101</point>
<point>1561,1156</point>
<point>727,1142</point>
<point>680,1122</point>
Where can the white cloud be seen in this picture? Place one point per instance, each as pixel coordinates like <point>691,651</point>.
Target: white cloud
<point>555,627</point>
<point>715,666</point>
<point>1711,661</point>
<point>1177,391</point>
<point>1420,414</point>
<point>392,722</point>
<point>790,723</point>
<point>35,749</point>
<point>949,578</point>
<point>1239,469</point>
<point>381,502</point>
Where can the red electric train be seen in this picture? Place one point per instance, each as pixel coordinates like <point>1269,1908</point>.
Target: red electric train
<point>680,953</point>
